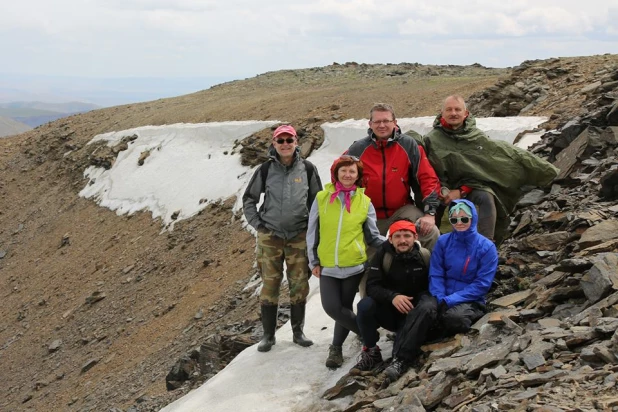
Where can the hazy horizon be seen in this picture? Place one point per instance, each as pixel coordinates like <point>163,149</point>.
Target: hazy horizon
<point>102,91</point>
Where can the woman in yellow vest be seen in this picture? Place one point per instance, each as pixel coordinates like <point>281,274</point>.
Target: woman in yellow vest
<point>342,221</point>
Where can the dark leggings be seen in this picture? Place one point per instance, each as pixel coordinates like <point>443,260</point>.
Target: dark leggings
<point>337,301</point>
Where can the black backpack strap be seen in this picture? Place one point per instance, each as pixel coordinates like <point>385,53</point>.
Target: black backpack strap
<point>264,167</point>
<point>426,255</point>
<point>310,169</point>
<point>387,261</point>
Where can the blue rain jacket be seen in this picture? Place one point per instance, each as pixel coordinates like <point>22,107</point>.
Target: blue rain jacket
<point>463,265</point>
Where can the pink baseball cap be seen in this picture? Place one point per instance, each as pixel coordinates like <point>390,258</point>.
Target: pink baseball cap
<point>284,129</point>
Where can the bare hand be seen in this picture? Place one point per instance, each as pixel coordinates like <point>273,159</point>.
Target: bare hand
<point>316,271</point>
<point>426,223</point>
<point>452,195</point>
<point>403,303</point>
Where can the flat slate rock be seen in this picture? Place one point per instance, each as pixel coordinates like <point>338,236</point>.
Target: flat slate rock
<point>549,323</point>
<point>533,197</point>
<point>512,299</point>
<point>566,159</point>
<point>489,357</point>
<point>600,233</point>
<point>546,241</point>
<point>552,279</point>
<point>537,379</point>
<point>532,360</point>
<point>450,365</point>
<point>602,278</point>
<point>602,304</point>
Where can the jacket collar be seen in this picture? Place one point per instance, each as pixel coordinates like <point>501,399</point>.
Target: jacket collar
<point>382,143</point>
<point>274,156</point>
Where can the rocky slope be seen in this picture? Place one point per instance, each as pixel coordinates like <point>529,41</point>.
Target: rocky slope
<point>101,309</point>
<point>98,308</point>
<point>550,342</point>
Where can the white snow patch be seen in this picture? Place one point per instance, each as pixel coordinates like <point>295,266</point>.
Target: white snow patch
<point>186,165</point>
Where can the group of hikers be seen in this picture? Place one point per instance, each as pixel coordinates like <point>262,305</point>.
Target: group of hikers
<point>375,229</point>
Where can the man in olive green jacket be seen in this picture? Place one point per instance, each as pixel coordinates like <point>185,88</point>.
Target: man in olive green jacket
<point>489,173</point>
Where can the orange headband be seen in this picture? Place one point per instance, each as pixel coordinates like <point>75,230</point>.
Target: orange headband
<point>401,225</point>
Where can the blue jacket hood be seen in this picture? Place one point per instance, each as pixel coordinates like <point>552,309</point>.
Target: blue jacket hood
<point>471,232</point>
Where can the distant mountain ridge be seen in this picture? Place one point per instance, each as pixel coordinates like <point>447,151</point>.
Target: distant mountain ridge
<point>36,113</point>
<point>65,107</point>
<point>10,127</point>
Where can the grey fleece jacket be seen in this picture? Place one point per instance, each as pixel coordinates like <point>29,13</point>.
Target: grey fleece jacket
<point>287,194</point>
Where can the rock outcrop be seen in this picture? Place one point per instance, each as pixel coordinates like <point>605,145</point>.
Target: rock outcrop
<point>550,341</point>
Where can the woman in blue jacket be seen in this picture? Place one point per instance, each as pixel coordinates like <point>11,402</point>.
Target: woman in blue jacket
<point>462,267</point>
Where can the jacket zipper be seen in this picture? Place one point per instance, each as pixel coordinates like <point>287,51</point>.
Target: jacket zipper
<point>339,232</point>
<point>466,265</point>
<point>382,148</point>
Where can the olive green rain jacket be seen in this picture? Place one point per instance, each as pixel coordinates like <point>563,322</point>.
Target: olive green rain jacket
<point>467,156</point>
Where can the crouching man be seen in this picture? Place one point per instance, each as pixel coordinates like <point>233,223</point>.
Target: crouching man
<point>397,300</point>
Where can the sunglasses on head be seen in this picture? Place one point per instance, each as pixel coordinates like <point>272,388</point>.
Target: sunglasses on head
<point>353,158</point>
<point>288,140</point>
<point>461,219</point>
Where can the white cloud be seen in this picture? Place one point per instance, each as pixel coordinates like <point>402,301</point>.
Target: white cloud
<point>246,37</point>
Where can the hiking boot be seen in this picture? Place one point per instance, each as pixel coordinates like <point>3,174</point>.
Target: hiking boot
<point>369,360</point>
<point>335,357</point>
<point>397,368</point>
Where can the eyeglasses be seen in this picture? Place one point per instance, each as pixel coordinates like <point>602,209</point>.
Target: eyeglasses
<point>289,140</point>
<point>462,219</point>
<point>379,122</point>
<point>353,158</point>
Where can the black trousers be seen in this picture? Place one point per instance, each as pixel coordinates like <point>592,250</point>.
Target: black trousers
<point>423,323</point>
<point>338,303</point>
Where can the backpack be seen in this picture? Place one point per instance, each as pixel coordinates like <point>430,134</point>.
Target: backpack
<point>309,168</point>
<point>387,260</point>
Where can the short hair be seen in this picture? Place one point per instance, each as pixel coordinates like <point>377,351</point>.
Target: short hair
<point>347,160</point>
<point>382,107</point>
<point>456,97</point>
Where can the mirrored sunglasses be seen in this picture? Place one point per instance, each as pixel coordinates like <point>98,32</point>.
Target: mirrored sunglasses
<point>461,219</point>
<point>288,140</point>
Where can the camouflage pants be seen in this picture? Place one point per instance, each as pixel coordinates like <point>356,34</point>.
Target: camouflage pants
<point>272,251</point>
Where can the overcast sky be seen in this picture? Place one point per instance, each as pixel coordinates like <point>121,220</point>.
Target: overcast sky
<point>242,38</point>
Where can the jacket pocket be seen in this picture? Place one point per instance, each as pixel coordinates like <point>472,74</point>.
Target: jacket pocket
<point>360,248</point>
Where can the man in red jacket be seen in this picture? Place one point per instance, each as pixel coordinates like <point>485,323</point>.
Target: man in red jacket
<point>394,165</point>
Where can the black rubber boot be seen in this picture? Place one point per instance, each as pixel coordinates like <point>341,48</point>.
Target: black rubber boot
<point>297,317</point>
<point>269,324</point>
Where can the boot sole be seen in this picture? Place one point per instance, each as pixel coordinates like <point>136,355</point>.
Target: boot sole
<point>333,364</point>
<point>266,349</point>
<point>303,344</point>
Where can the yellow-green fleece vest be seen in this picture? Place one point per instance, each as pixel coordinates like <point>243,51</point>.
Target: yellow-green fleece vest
<point>342,241</point>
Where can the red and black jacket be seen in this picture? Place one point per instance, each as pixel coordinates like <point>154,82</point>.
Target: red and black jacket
<point>391,168</point>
